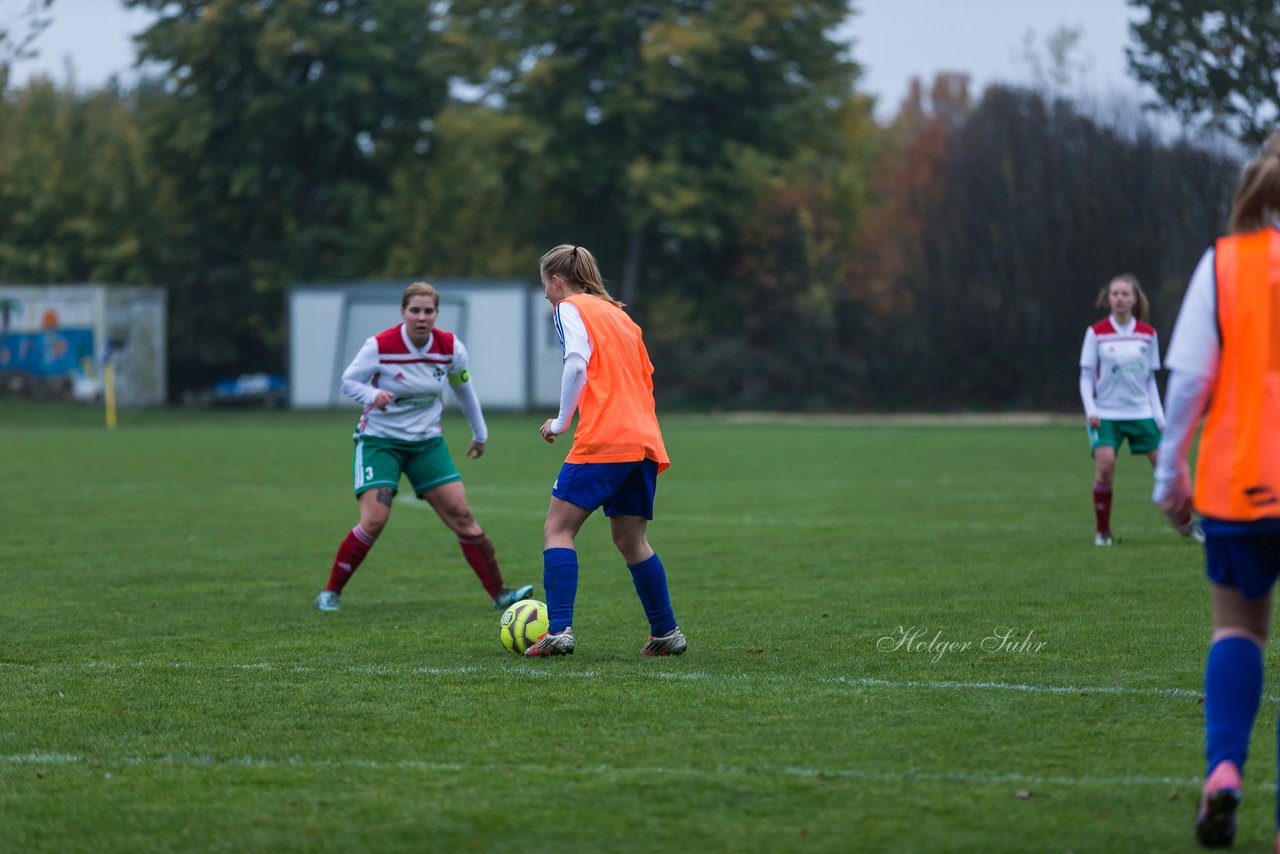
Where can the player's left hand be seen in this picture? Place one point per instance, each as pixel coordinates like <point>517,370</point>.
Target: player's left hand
<point>476,451</point>
<point>1176,504</point>
<point>545,430</point>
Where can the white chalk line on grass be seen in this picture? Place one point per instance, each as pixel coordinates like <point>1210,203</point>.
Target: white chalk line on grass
<point>674,676</point>
<point>604,770</point>
<point>1030,689</point>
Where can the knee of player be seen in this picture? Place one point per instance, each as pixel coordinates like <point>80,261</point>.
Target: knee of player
<point>554,535</point>
<point>469,529</point>
<point>374,519</point>
<point>630,541</point>
<point>461,522</point>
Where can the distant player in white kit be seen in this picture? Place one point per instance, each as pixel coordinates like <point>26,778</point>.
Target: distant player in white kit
<point>1118,365</point>
<point>400,376</point>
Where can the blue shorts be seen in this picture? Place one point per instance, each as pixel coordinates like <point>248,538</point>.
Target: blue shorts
<point>623,489</point>
<point>1243,556</point>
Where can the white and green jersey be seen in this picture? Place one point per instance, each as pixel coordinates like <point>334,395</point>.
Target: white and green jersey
<point>416,378</point>
<point>1118,365</point>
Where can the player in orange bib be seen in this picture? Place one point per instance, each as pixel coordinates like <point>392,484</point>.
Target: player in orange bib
<point>616,455</point>
<point>1225,361</point>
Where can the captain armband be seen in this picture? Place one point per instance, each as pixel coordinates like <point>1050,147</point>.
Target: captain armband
<point>460,378</point>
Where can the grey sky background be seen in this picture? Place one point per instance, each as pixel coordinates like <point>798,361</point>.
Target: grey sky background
<point>894,40</point>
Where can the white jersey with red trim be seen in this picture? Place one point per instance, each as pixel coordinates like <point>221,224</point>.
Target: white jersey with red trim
<point>416,377</point>
<point>1123,361</point>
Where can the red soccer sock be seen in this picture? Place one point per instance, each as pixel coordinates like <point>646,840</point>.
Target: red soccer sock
<point>479,553</point>
<point>350,554</point>
<point>1102,506</point>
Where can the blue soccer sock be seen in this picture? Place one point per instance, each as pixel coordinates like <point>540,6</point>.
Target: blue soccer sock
<point>651,583</point>
<point>1232,692</point>
<point>560,580</point>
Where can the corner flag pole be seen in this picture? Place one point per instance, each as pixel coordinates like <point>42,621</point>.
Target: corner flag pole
<point>109,386</point>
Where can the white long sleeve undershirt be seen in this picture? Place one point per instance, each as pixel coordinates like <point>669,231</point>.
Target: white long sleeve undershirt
<point>469,402</point>
<point>1188,394</point>
<point>1153,395</point>
<point>1086,392</point>
<point>572,382</point>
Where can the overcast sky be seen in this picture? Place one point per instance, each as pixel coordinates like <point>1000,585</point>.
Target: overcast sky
<point>893,40</point>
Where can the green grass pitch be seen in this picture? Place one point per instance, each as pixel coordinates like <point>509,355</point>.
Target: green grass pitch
<point>166,686</point>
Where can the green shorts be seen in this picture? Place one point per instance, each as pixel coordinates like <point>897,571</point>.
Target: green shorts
<point>379,463</point>
<point>1142,433</point>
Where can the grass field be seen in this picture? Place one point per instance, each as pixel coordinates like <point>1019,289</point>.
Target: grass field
<point>166,686</point>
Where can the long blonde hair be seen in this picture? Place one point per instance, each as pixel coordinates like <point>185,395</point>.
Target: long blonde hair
<point>1257,195</point>
<point>1140,305</point>
<point>578,267</point>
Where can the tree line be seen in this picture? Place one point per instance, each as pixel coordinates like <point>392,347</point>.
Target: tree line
<point>782,247</point>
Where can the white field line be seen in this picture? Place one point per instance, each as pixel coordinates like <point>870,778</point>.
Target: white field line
<point>603,770</point>
<point>675,676</point>
<point>1029,689</point>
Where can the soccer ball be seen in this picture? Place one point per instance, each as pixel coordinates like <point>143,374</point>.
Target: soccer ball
<point>521,624</point>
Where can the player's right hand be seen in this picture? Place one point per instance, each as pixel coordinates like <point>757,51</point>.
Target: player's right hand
<point>382,398</point>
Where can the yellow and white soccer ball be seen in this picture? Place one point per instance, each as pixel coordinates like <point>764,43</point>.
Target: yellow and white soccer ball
<point>521,624</point>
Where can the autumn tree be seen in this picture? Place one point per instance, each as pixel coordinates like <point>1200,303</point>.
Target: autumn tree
<point>1000,231</point>
<point>795,271</point>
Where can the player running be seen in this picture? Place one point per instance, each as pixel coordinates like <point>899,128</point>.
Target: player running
<point>616,455</point>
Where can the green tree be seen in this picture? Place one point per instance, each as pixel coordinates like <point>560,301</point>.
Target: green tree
<point>79,201</point>
<point>658,126</point>
<point>18,32</point>
<point>467,208</point>
<point>278,123</point>
<point>1212,62</point>
<point>797,266</point>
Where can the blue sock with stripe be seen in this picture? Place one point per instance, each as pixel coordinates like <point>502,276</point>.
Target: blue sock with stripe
<point>1232,692</point>
<point>560,580</point>
<point>650,579</point>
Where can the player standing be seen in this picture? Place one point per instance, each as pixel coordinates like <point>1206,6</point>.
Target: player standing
<point>1118,364</point>
<point>400,376</point>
